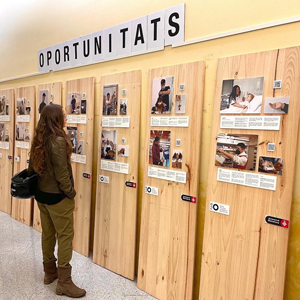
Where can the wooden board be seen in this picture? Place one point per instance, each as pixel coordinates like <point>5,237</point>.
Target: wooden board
<point>168,225</point>
<point>54,96</point>
<point>116,204</point>
<point>6,155</point>
<point>243,257</point>
<point>83,186</point>
<point>22,208</point>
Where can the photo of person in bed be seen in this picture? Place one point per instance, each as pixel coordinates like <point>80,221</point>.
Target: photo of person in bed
<point>242,96</point>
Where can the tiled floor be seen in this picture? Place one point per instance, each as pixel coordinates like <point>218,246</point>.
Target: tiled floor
<point>21,270</point>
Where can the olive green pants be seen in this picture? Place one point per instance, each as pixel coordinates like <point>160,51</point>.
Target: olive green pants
<point>57,219</point>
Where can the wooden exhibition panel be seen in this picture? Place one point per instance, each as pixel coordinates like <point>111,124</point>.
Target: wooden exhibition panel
<point>7,120</point>
<point>168,225</point>
<point>243,257</point>
<point>53,93</point>
<point>22,208</point>
<point>116,204</point>
<point>83,185</point>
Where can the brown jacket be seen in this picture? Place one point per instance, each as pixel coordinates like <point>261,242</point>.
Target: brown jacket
<point>57,176</point>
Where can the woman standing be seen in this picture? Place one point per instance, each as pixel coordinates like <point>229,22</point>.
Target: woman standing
<point>50,158</point>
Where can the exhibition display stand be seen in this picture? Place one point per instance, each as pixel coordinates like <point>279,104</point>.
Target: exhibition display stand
<point>248,206</point>
<point>46,95</point>
<point>24,132</point>
<point>7,134</point>
<point>79,110</point>
<point>117,173</point>
<point>171,181</point>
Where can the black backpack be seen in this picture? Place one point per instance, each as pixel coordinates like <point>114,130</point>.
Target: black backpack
<point>22,186</point>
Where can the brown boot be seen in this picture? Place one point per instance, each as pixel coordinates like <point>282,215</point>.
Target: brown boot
<point>50,272</point>
<point>65,285</point>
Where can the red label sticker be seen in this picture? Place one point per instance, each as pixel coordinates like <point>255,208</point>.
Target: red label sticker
<point>188,198</point>
<point>277,221</point>
<point>130,184</point>
<point>86,175</point>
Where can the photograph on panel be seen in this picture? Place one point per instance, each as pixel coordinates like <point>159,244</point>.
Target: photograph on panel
<point>110,100</point>
<point>28,110</point>
<point>83,107</point>
<point>21,106</point>
<point>72,133</point>
<point>123,150</point>
<point>80,148</point>
<point>162,95</point>
<point>43,99</point>
<point>123,107</point>
<point>7,109</point>
<point>159,153</point>
<point>270,165</point>
<point>180,104</point>
<point>109,144</point>
<point>238,151</point>
<point>242,96</point>
<point>2,132</point>
<point>2,106</point>
<point>74,104</point>
<point>27,137</point>
<point>177,159</point>
<point>277,105</point>
<point>20,132</point>
<point>6,138</point>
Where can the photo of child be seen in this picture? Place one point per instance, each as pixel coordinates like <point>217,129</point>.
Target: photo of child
<point>108,145</point>
<point>162,95</point>
<point>242,96</point>
<point>159,153</point>
<point>110,100</point>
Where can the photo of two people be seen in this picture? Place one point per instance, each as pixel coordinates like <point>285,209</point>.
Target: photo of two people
<point>110,101</point>
<point>21,106</point>
<point>75,105</point>
<point>109,144</point>
<point>242,96</point>
<point>162,95</point>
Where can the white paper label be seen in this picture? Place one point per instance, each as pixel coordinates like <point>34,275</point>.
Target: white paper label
<point>255,180</point>
<point>23,118</point>
<point>103,179</point>
<point>23,145</point>
<point>76,119</point>
<point>170,121</point>
<point>219,208</point>
<point>78,158</point>
<point>114,167</point>
<point>1,155</point>
<point>4,118</point>
<point>116,122</point>
<point>167,174</point>
<point>4,145</point>
<point>151,190</point>
<point>250,122</point>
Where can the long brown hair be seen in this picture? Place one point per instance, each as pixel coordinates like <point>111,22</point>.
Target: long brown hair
<point>50,126</point>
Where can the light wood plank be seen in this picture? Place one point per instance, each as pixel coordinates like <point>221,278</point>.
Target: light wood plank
<point>168,225</point>
<point>6,159</point>
<point>243,257</point>
<point>83,186</point>
<point>116,205</point>
<point>54,89</point>
<point>22,208</point>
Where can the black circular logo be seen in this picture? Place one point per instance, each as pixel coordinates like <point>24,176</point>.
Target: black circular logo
<point>215,207</point>
<point>101,178</point>
<point>148,189</point>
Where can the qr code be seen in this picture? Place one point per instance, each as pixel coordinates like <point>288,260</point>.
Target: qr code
<point>271,146</point>
<point>277,84</point>
<point>178,142</point>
